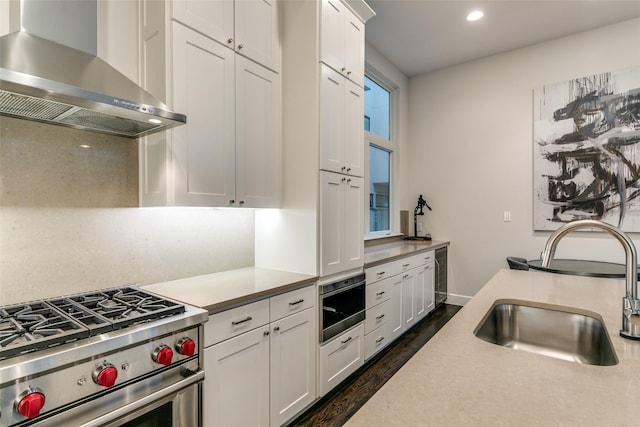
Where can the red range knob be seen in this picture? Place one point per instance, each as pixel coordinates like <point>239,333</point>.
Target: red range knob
<point>31,404</point>
<point>186,346</point>
<point>105,375</point>
<point>163,355</point>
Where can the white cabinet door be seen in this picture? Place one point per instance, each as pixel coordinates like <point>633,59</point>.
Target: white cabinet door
<point>408,298</point>
<point>354,47</point>
<point>396,325</point>
<point>236,386</point>
<point>341,124</point>
<point>332,120</point>
<point>353,220</point>
<point>353,148</point>
<point>421,296</point>
<point>258,141</point>
<point>256,31</point>
<point>331,223</point>
<point>204,148</point>
<point>429,288</point>
<point>211,18</point>
<point>293,365</point>
<point>342,40</point>
<point>341,222</point>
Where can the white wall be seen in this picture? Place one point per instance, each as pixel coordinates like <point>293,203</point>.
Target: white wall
<point>471,151</point>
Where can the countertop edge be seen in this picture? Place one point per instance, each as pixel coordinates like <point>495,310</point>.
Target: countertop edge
<point>420,247</point>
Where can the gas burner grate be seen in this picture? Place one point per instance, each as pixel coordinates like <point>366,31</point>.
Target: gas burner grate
<point>34,326</point>
<point>128,306</point>
<point>94,322</point>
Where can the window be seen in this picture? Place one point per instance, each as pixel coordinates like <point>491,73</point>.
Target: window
<point>377,126</point>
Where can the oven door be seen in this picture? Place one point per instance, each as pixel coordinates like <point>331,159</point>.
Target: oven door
<point>166,408</point>
<point>342,308</point>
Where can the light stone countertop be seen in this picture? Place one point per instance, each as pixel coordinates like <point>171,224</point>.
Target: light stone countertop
<point>379,254</point>
<point>457,379</point>
<point>221,291</point>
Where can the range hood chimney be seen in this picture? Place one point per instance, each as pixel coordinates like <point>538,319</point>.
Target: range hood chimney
<point>49,72</point>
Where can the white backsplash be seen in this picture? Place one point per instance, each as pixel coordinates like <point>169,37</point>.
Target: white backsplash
<point>69,221</point>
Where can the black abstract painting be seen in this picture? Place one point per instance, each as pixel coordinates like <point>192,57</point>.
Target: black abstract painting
<point>587,151</point>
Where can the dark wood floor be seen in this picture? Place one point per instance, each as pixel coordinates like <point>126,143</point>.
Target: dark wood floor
<point>337,407</point>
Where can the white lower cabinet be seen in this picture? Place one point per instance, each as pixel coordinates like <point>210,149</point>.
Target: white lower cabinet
<point>236,386</point>
<point>266,375</point>
<point>409,283</point>
<point>341,357</point>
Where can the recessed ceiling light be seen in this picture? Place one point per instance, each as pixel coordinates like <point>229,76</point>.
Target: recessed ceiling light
<point>475,15</point>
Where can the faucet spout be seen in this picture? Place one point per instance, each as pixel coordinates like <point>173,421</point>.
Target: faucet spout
<point>631,304</point>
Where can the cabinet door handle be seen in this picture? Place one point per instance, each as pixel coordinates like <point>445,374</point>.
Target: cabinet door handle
<point>380,293</point>
<point>231,202</point>
<point>296,302</point>
<point>405,276</point>
<point>240,46</point>
<point>380,316</point>
<point>276,329</point>
<point>347,340</point>
<point>379,340</point>
<point>266,333</point>
<point>229,40</point>
<point>241,202</point>
<point>237,322</point>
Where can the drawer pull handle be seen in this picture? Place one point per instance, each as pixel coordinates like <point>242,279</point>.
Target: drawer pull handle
<point>236,323</point>
<point>380,316</point>
<point>301,300</point>
<point>381,273</point>
<point>379,340</point>
<point>406,265</point>
<point>347,340</point>
<point>380,293</point>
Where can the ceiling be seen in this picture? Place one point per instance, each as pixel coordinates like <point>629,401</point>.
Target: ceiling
<point>419,36</point>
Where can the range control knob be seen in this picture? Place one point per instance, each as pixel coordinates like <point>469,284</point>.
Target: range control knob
<point>162,355</point>
<point>105,375</point>
<point>30,404</point>
<point>186,346</point>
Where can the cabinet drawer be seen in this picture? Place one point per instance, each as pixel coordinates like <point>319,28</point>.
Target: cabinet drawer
<point>421,259</point>
<point>227,324</point>
<point>377,316</point>
<point>292,302</point>
<point>340,358</point>
<point>377,340</point>
<point>380,272</point>
<point>378,292</point>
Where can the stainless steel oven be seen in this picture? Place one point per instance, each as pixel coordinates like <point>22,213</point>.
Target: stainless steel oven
<point>112,358</point>
<point>343,305</point>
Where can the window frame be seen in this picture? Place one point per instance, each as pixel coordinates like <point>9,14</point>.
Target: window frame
<point>391,146</point>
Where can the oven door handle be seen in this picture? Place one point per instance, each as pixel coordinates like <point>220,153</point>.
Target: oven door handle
<point>345,288</point>
<point>120,412</point>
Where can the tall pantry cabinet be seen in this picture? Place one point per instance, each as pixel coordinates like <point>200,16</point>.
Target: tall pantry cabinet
<point>218,62</point>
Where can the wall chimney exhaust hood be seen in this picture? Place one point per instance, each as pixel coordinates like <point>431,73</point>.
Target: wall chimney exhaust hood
<point>49,72</point>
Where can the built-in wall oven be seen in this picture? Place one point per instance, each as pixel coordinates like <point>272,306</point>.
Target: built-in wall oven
<point>113,358</point>
<point>343,305</point>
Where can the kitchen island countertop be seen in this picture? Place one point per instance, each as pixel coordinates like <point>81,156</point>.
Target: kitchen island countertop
<point>457,379</point>
<point>228,289</point>
<point>379,254</point>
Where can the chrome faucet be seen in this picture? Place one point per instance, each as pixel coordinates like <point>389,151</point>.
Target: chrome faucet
<point>630,303</point>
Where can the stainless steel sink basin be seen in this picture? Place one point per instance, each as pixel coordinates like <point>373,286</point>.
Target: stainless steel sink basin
<point>565,333</point>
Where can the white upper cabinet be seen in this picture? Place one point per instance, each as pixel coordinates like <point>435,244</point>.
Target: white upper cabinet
<point>341,124</point>
<point>229,151</point>
<point>258,140</point>
<point>250,27</point>
<point>342,40</point>
<point>204,149</point>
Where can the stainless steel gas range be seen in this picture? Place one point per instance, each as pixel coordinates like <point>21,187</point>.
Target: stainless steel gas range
<point>117,357</point>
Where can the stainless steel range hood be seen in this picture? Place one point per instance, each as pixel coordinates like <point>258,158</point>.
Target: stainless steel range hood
<point>46,81</point>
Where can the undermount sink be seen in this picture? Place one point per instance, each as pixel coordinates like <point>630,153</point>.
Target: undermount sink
<point>565,333</point>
